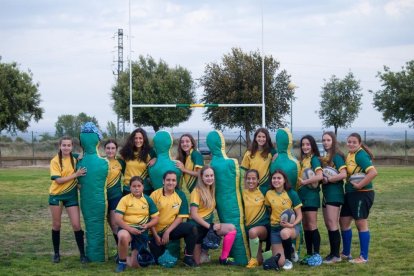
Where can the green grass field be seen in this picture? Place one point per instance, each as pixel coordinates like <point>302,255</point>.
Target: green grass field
<point>26,245</point>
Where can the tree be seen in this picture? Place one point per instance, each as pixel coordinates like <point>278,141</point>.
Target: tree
<point>238,79</point>
<point>396,99</point>
<point>341,101</point>
<point>70,125</point>
<point>111,129</point>
<point>154,83</point>
<point>19,98</point>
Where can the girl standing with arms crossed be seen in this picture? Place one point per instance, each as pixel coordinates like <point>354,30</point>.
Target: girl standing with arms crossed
<point>114,188</point>
<point>256,217</point>
<point>259,156</point>
<point>333,194</point>
<point>136,154</point>
<point>190,161</point>
<point>279,198</point>
<point>64,192</point>
<point>359,198</point>
<point>202,205</point>
<point>309,158</point>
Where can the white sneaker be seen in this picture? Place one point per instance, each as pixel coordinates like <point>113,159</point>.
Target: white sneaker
<point>288,265</point>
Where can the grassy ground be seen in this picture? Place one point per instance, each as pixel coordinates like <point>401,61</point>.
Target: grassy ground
<point>26,247</point>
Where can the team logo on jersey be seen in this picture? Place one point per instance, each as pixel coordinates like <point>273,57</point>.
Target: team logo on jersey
<point>176,205</point>
<point>257,199</point>
<point>285,201</point>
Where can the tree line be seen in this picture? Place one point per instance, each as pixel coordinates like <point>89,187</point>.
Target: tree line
<point>237,78</point>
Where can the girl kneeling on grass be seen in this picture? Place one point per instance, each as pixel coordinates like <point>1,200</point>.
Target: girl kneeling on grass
<point>256,216</point>
<point>64,192</point>
<point>359,198</point>
<point>279,198</point>
<point>202,205</point>
<point>134,215</point>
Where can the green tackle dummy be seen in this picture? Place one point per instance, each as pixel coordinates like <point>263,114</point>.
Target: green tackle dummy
<point>93,193</point>
<point>228,194</point>
<point>162,146</point>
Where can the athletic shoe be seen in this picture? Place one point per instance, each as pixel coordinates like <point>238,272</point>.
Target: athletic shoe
<point>120,267</point>
<point>305,259</point>
<point>331,259</point>
<point>315,260</point>
<point>288,265</point>
<point>227,261</point>
<point>272,263</point>
<point>359,260</point>
<point>56,258</point>
<point>189,261</point>
<point>345,257</point>
<point>205,257</point>
<point>252,263</point>
<point>84,259</point>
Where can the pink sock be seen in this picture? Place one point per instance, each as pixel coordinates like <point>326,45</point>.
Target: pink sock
<point>228,244</point>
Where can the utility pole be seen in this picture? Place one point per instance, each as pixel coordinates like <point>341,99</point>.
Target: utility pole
<point>120,68</point>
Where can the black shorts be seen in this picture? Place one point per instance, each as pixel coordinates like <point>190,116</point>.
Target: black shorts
<point>309,209</point>
<point>357,205</point>
<point>138,241</point>
<point>202,232</point>
<point>336,204</point>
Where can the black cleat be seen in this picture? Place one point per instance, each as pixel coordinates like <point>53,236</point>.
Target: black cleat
<point>56,258</point>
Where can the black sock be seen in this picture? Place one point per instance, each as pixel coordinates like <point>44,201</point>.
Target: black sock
<point>331,241</point>
<point>80,242</point>
<point>316,240</point>
<point>122,261</point>
<point>56,240</point>
<point>308,242</point>
<point>287,248</point>
<point>336,243</point>
<point>116,239</point>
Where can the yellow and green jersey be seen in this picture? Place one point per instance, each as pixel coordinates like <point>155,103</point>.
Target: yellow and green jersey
<point>136,167</point>
<point>136,211</point>
<point>205,213</point>
<point>170,207</point>
<point>261,164</point>
<point>334,192</point>
<point>114,187</point>
<point>193,162</point>
<point>310,196</point>
<point>58,171</point>
<point>279,202</point>
<point>358,162</point>
<point>255,211</point>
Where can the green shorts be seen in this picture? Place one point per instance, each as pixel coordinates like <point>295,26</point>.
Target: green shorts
<point>68,199</point>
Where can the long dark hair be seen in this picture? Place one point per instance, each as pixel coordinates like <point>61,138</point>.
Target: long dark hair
<point>314,147</point>
<point>363,146</point>
<point>334,148</point>
<point>287,185</point>
<point>266,147</point>
<point>181,155</point>
<point>60,152</point>
<point>128,150</point>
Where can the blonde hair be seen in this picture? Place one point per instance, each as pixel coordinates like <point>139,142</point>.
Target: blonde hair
<point>206,192</point>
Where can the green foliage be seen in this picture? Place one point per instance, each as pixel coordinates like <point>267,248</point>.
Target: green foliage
<point>396,99</point>
<point>341,101</point>
<point>238,79</point>
<point>45,136</point>
<point>5,139</point>
<point>154,83</point>
<point>19,140</point>
<point>19,98</point>
<point>70,125</point>
<point>111,129</point>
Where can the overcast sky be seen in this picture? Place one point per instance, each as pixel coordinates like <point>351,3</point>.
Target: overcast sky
<point>71,46</point>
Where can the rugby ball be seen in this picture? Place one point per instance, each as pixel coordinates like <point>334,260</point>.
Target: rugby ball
<point>288,215</point>
<point>329,171</point>
<point>356,178</point>
<point>308,173</point>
